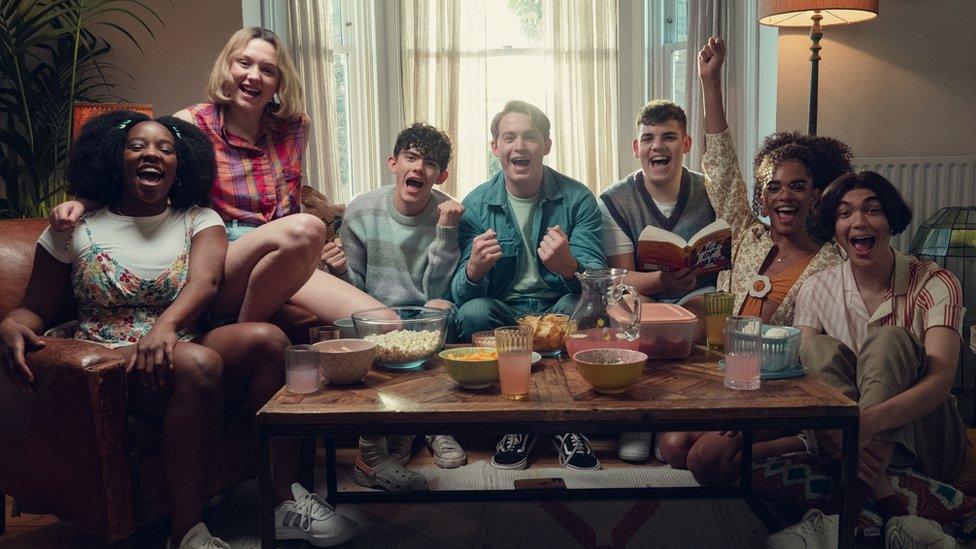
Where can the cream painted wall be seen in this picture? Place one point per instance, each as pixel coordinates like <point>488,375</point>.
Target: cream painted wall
<point>176,65</point>
<point>903,84</point>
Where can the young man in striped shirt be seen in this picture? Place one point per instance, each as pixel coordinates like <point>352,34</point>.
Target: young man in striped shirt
<point>884,329</point>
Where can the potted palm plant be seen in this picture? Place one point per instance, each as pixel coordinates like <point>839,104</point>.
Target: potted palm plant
<point>52,56</point>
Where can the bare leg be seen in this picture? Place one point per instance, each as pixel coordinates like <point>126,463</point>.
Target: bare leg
<point>715,458</point>
<point>190,407</point>
<point>331,298</point>
<point>675,446</point>
<point>266,266</point>
<point>254,358</point>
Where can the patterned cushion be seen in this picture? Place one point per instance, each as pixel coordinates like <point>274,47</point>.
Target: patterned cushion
<point>804,481</point>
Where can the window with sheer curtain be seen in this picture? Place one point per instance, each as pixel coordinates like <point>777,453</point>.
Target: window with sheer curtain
<point>370,67</point>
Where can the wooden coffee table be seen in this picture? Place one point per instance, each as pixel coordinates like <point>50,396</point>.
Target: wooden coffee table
<point>670,396</point>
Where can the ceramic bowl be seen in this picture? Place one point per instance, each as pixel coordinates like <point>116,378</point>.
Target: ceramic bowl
<point>610,370</point>
<point>345,361</point>
<point>470,374</point>
<point>483,339</point>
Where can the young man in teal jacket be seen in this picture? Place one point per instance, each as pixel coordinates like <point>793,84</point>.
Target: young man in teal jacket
<point>524,235</point>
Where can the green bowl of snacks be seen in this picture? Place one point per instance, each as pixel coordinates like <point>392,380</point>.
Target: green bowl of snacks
<point>471,367</point>
<point>610,370</point>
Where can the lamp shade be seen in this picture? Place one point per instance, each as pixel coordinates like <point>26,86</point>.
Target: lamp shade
<point>797,13</point>
<point>950,232</point>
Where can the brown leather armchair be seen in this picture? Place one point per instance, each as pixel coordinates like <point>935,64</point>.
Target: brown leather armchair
<point>70,448</point>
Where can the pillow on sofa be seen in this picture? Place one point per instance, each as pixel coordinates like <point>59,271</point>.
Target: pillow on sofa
<point>804,481</point>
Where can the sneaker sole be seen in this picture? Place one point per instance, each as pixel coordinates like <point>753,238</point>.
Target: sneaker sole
<point>446,463</point>
<point>518,465</point>
<point>595,468</point>
<point>297,533</point>
<point>634,458</point>
<point>373,482</point>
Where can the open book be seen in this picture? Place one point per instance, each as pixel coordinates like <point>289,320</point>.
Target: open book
<point>709,250</point>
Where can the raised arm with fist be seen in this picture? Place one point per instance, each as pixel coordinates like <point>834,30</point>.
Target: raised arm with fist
<point>555,254</point>
<point>485,252</point>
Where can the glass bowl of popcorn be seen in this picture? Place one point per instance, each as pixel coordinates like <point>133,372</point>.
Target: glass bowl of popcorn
<point>405,337</point>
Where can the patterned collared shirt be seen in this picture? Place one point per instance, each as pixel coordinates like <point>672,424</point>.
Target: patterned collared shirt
<point>751,241</point>
<point>922,296</point>
<point>255,182</point>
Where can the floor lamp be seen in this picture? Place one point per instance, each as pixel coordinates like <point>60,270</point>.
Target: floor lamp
<point>816,14</point>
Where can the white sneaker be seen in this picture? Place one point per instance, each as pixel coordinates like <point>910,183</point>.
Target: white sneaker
<point>912,532</point>
<point>310,518</point>
<point>635,446</point>
<point>815,531</point>
<point>447,453</point>
<point>199,537</point>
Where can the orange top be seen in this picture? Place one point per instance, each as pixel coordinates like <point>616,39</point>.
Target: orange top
<point>781,284</point>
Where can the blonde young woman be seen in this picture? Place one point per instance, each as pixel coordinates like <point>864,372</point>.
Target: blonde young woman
<point>257,123</point>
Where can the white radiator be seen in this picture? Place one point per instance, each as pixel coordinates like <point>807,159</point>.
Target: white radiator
<point>927,183</point>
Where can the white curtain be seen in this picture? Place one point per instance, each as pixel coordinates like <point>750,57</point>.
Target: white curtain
<point>585,117</point>
<point>310,31</point>
<point>712,18</point>
<point>430,65</point>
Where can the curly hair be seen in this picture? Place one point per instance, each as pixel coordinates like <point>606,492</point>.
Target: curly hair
<point>825,158</point>
<point>659,111</point>
<point>430,142</point>
<point>896,210</point>
<point>95,163</point>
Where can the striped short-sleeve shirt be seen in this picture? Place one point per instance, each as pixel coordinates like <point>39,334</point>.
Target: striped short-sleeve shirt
<point>255,182</point>
<point>923,295</point>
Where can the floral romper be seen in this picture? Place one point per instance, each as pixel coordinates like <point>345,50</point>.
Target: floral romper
<point>116,307</point>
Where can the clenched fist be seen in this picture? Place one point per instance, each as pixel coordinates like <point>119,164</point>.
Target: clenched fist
<point>334,257</point>
<point>449,213</point>
<point>485,252</point>
<point>555,255</point>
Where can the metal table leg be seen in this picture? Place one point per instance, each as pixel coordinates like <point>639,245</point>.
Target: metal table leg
<point>331,484</point>
<point>267,491</point>
<point>847,486</point>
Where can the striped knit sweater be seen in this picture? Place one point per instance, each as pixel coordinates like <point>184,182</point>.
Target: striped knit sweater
<point>398,259</point>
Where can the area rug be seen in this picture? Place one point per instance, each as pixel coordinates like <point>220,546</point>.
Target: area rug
<point>630,523</point>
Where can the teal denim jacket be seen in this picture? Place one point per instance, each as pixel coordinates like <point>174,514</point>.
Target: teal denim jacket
<point>563,201</point>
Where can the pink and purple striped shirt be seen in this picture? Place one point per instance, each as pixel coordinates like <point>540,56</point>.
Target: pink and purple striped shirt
<point>255,182</point>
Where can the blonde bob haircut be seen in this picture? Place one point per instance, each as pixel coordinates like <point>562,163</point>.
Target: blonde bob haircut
<point>290,103</point>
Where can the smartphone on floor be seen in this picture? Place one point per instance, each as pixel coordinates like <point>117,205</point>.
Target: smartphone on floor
<point>552,483</point>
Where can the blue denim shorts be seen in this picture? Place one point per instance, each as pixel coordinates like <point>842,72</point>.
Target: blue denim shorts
<point>236,229</point>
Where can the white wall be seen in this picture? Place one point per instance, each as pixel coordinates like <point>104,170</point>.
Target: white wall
<point>900,85</point>
<point>175,67</point>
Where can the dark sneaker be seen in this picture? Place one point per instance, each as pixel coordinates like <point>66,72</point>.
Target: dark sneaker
<point>574,452</point>
<point>512,451</point>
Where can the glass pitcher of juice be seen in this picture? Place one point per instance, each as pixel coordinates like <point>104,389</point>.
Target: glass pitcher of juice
<point>607,314</point>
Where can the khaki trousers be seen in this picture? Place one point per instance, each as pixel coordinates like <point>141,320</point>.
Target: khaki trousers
<point>890,362</point>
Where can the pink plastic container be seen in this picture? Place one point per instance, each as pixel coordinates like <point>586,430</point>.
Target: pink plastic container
<point>666,331</point>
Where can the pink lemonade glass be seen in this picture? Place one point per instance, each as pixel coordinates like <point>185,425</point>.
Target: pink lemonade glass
<point>743,352</point>
<point>514,347</point>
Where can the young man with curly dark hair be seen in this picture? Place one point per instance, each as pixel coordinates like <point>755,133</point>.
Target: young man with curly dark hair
<point>399,244</point>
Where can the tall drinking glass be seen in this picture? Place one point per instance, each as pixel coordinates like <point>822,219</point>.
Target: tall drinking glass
<point>514,347</point>
<point>743,352</point>
<point>718,307</point>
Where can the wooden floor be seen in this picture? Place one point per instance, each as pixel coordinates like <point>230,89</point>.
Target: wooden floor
<point>477,448</point>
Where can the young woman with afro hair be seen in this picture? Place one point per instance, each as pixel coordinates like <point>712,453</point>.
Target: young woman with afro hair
<point>143,269</point>
<point>769,260</point>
